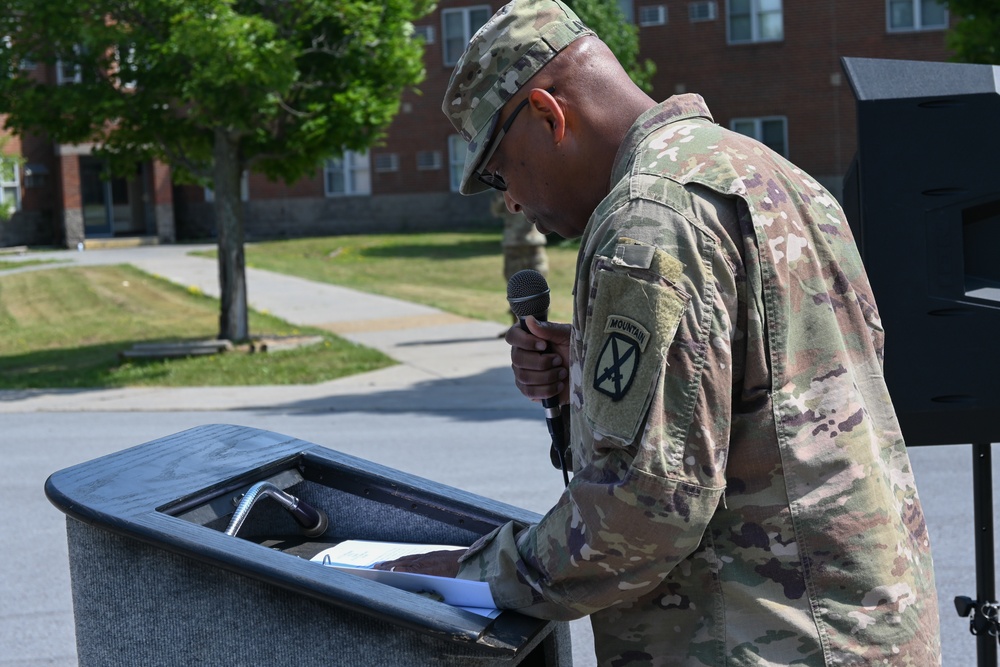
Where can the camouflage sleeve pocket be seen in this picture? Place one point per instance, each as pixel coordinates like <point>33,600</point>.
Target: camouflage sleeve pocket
<point>636,313</point>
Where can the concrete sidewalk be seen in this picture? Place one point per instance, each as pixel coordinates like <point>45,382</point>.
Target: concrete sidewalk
<point>466,359</point>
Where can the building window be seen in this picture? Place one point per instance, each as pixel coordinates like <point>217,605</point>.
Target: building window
<point>457,28</point>
<point>126,66</point>
<point>772,131</point>
<point>424,32</point>
<point>457,149</point>
<point>701,11</point>
<point>10,184</point>
<point>909,15</point>
<point>628,10</point>
<point>755,21</point>
<point>347,175</point>
<point>652,15</point>
<point>36,175</point>
<point>24,64</point>
<point>386,162</point>
<point>428,160</point>
<point>69,72</point>
<point>6,44</point>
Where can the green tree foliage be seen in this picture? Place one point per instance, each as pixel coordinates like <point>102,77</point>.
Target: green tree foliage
<point>213,88</point>
<point>976,37</point>
<point>605,17</point>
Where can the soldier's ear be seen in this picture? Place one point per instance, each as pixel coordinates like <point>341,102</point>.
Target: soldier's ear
<point>549,109</point>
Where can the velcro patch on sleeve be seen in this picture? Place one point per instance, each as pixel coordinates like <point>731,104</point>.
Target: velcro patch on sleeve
<point>633,322</point>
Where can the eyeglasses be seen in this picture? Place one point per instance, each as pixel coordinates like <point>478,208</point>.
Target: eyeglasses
<point>496,181</point>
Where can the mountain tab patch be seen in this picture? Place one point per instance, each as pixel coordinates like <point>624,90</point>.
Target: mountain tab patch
<point>616,366</point>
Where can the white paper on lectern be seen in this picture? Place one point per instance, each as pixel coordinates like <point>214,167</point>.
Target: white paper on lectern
<point>359,556</point>
<point>366,553</point>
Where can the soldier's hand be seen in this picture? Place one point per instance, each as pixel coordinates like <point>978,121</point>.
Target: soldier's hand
<point>540,359</point>
<point>438,563</point>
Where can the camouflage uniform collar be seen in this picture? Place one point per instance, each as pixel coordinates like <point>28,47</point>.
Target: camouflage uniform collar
<point>678,107</point>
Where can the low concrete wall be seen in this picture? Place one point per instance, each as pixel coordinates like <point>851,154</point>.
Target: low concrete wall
<point>301,217</point>
<point>163,218</point>
<point>30,228</point>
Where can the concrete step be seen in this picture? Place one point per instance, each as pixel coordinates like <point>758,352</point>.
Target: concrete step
<point>120,242</point>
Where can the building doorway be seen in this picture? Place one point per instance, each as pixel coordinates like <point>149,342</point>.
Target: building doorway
<point>112,206</point>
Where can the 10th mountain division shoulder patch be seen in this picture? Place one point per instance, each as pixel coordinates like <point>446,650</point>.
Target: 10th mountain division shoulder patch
<point>619,358</point>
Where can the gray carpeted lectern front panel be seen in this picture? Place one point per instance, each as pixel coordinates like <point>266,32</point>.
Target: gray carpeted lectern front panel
<point>139,605</point>
<point>157,582</point>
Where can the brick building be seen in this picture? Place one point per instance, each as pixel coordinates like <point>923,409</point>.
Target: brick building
<point>771,69</point>
<point>768,68</point>
<point>59,197</point>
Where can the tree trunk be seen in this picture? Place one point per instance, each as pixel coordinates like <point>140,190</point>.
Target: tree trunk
<point>523,245</point>
<point>229,227</point>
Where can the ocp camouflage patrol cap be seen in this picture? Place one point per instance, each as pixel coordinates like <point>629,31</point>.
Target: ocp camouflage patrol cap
<point>508,50</point>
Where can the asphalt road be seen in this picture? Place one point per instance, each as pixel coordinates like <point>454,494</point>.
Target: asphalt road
<point>489,452</point>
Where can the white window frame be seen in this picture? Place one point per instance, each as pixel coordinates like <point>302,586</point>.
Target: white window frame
<point>695,8</point>
<point>651,15</point>
<point>61,76</point>
<point>457,150</point>
<point>62,79</point>
<point>758,124</point>
<point>356,171</point>
<point>386,162</point>
<point>126,64</point>
<point>428,160</point>
<point>918,18</point>
<point>425,32</point>
<point>755,24</point>
<point>467,29</point>
<point>12,185</point>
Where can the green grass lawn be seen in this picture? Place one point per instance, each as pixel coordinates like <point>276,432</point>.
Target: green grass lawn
<point>460,272</point>
<point>6,264</point>
<point>65,327</point>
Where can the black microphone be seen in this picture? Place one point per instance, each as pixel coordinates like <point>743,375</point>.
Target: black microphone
<point>528,295</point>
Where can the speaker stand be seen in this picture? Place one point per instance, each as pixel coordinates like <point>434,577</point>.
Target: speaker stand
<point>985,621</point>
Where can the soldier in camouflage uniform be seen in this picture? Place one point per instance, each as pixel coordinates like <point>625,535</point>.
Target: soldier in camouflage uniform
<point>741,491</point>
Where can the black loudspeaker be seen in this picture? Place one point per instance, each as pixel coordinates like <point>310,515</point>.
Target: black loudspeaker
<point>923,200</point>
